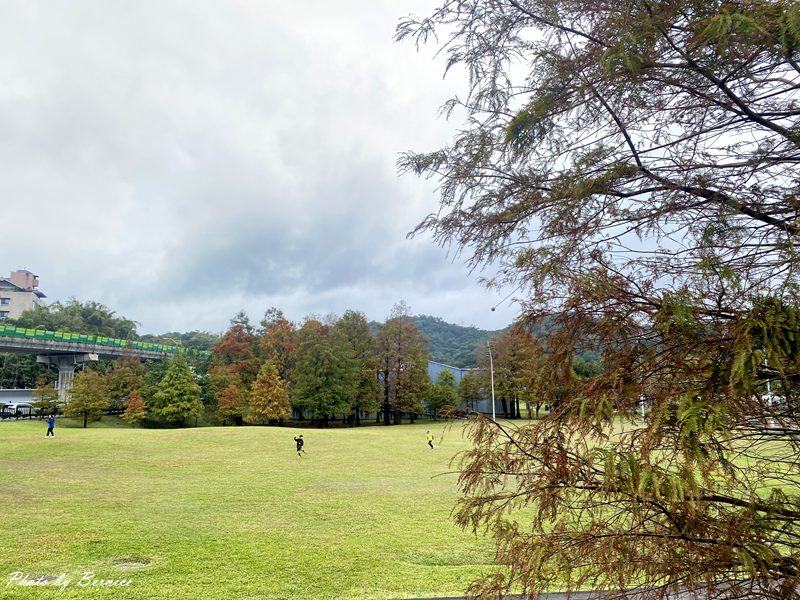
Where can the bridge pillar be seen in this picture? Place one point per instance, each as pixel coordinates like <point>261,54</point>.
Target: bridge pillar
<point>66,364</point>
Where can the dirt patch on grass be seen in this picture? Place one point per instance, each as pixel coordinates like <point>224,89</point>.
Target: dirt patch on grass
<point>131,562</point>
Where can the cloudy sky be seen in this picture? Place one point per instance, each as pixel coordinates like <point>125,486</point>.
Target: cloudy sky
<point>181,160</point>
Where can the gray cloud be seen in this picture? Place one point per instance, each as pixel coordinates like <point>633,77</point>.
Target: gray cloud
<point>179,161</point>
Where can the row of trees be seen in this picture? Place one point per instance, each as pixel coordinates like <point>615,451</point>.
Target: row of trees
<point>319,369</point>
<point>324,368</point>
<point>360,357</point>
<point>341,366</point>
<point>169,391</point>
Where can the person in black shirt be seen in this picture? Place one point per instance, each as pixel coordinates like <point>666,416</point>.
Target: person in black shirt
<point>299,442</point>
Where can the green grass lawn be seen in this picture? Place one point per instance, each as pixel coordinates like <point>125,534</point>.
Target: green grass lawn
<point>233,513</point>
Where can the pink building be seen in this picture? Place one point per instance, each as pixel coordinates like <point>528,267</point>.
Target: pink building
<point>18,293</point>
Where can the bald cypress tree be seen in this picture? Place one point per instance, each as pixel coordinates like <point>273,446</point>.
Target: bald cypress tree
<point>630,167</point>
<point>45,395</point>
<point>88,397</point>
<point>268,399</point>
<point>178,397</point>
<point>354,330</point>
<point>402,365</point>
<point>135,411</point>
<point>230,404</point>
<point>326,374</point>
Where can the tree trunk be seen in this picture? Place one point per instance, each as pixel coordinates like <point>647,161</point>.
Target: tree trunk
<point>85,418</point>
<point>504,404</point>
<point>386,409</point>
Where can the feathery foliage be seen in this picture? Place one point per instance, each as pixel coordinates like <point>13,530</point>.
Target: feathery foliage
<point>631,167</point>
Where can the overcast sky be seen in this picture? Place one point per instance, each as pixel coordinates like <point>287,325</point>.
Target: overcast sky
<point>181,160</point>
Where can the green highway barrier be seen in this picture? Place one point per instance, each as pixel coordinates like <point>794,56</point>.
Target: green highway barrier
<point>96,340</point>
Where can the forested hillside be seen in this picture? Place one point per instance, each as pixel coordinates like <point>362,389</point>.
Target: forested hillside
<point>454,345</point>
<point>457,345</point>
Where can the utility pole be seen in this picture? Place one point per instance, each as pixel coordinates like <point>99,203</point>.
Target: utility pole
<point>491,376</point>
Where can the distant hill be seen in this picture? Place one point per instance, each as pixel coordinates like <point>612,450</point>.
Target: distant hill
<point>457,345</point>
<point>450,344</point>
<point>453,345</point>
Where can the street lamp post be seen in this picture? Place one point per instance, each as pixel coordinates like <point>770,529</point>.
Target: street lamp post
<point>491,376</point>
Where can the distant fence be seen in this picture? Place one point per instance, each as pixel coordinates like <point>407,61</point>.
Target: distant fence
<point>21,412</point>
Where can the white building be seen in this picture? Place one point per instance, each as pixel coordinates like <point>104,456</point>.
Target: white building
<point>18,293</point>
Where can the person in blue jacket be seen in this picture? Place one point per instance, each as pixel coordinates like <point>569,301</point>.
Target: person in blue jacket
<point>51,423</point>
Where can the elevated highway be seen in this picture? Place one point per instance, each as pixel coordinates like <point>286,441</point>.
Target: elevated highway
<point>67,351</point>
<point>40,346</point>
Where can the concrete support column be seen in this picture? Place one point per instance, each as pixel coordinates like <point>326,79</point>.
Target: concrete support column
<point>66,365</point>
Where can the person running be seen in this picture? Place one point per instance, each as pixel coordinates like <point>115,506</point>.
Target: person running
<point>51,423</point>
<point>299,442</point>
<point>429,437</point>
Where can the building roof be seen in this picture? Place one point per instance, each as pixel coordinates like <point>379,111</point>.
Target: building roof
<point>5,284</point>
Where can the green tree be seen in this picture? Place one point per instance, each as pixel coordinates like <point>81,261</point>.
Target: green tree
<point>588,365</point>
<point>45,395</point>
<point>191,340</point>
<point>91,318</point>
<point>632,167</point>
<point>19,371</point>
<point>178,397</point>
<point>268,399</point>
<point>360,346</point>
<point>326,377</point>
<point>155,370</point>
<point>403,365</point>
<point>135,411</point>
<point>442,395</point>
<point>473,387</point>
<point>88,397</point>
